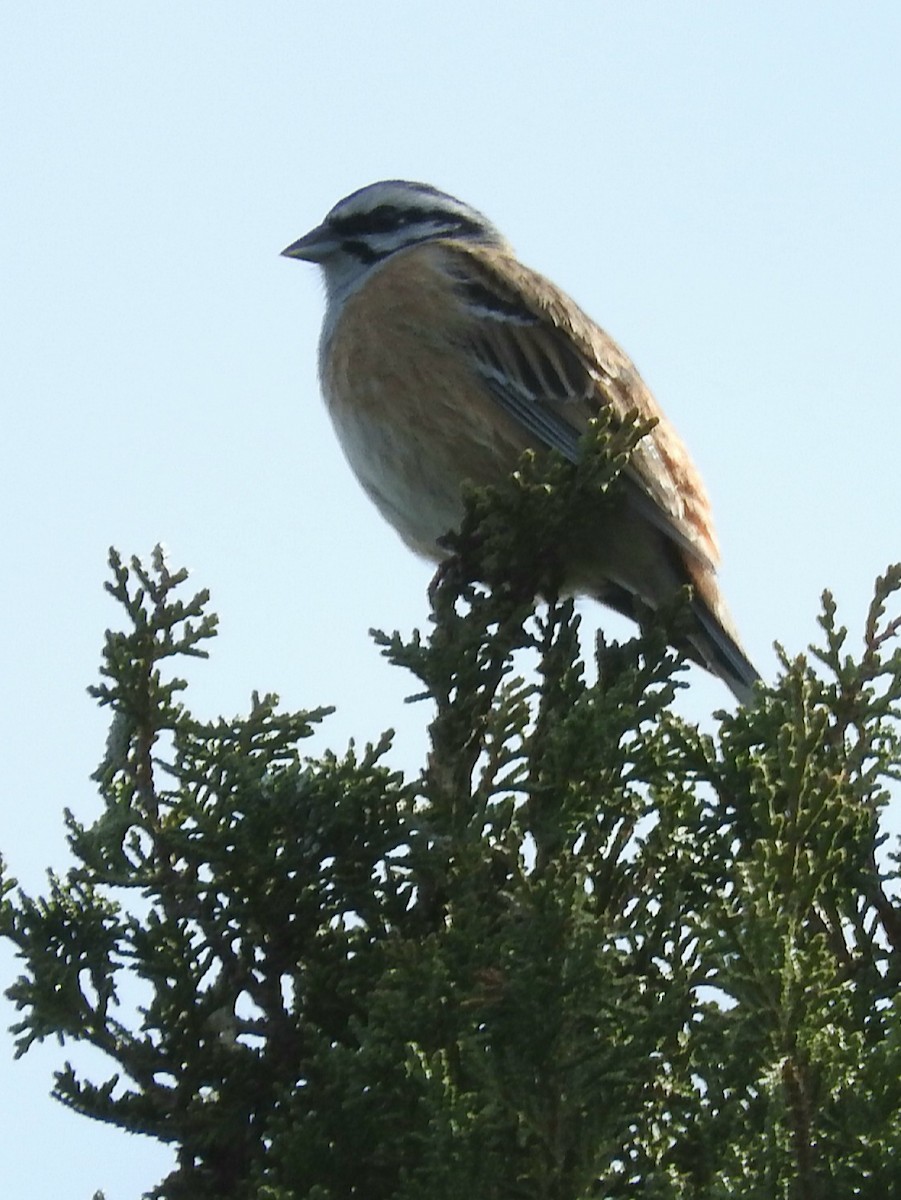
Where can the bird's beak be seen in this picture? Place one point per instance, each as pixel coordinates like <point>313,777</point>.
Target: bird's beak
<point>314,246</point>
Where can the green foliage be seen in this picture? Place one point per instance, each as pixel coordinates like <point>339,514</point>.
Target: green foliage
<point>588,953</point>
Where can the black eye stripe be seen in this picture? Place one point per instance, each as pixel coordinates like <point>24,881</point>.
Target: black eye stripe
<point>387,218</point>
<point>378,220</point>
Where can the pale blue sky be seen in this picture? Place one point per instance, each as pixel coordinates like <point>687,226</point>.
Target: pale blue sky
<point>719,185</point>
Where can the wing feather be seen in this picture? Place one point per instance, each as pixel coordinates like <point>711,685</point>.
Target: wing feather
<point>553,369</point>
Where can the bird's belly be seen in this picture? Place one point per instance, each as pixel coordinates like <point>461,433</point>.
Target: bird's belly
<point>415,485</point>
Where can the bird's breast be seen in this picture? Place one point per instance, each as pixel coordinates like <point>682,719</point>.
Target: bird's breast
<point>412,416</point>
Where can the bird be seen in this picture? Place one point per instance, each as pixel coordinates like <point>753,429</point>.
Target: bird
<point>442,358</point>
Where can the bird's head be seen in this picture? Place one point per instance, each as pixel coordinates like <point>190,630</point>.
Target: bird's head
<point>369,225</point>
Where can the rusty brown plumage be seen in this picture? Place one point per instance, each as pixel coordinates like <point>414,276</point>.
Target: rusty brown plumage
<point>443,358</point>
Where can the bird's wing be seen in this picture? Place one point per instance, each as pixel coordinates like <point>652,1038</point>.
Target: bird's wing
<point>553,369</point>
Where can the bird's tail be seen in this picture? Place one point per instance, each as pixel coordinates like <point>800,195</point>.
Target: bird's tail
<point>721,653</point>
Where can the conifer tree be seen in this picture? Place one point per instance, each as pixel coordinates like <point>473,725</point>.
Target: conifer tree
<point>589,952</point>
